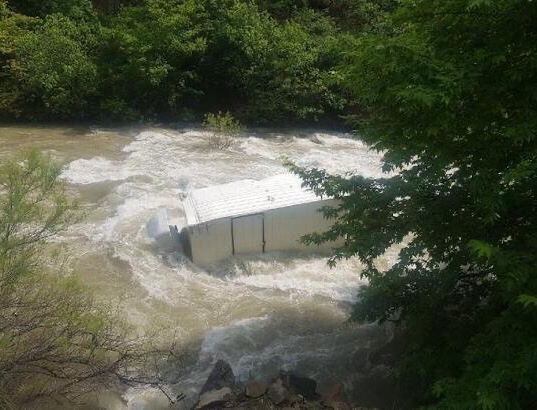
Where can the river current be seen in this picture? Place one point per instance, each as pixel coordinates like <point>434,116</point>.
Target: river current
<point>259,313</point>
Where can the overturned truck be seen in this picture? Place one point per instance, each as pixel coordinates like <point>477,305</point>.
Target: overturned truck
<point>244,217</point>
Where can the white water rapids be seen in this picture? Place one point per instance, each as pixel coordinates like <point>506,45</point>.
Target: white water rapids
<point>261,313</point>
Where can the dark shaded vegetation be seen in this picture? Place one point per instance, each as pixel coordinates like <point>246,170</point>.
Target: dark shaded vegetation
<point>450,97</point>
<point>266,62</point>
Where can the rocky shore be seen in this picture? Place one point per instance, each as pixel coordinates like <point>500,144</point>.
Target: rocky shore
<point>285,391</point>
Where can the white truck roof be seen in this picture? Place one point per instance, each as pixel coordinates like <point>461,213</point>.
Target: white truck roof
<point>245,197</point>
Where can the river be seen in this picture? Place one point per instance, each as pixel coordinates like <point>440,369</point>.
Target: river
<point>261,313</point>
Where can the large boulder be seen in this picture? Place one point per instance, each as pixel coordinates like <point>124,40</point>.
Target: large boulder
<point>255,389</point>
<point>277,393</point>
<point>220,377</point>
<point>301,385</point>
<point>335,398</point>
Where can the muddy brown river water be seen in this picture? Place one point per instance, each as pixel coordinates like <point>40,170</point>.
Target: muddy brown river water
<point>261,313</point>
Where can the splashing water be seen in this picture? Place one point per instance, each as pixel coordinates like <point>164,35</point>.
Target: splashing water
<point>260,313</point>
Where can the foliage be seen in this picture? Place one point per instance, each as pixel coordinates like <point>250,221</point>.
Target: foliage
<point>266,71</point>
<point>47,68</point>
<point>56,342</point>
<point>155,58</point>
<point>223,123</point>
<point>76,9</point>
<point>224,129</point>
<point>56,74</point>
<point>238,37</point>
<point>450,99</point>
<point>33,208</point>
<point>11,27</point>
<point>359,16</point>
<point>147,58</point>
<point>297,77</point>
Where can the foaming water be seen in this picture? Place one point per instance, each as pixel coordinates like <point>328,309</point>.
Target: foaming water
<point>261,313</point>
<point>338,154</point>
<point>160,166</point>
<point>300,277</point>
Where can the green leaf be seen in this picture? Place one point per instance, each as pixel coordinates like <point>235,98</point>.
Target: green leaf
<point>527,300</point>
<point>481,248</point>
<point>478,3</point>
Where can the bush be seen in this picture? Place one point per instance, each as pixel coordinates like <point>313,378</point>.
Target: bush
<point>450,100</point>
<point>50,71</point>
<point>224,129</point>
<point>56,342</point>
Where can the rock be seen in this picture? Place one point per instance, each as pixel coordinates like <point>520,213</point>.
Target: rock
<point>301,385</point>
<point>295,398</point>
<point>255,389</point>
<point>214,398</point>
<point>335,397</point>
<point>277,393</point>
<point>315,139</point>
<point>221,376</point>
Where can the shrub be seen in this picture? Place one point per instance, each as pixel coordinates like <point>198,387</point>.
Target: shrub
<point>56,341</point>
<point>224,129</point>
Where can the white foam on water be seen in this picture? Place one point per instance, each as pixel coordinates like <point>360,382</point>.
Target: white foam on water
<point>302,277</point>
<point>260,346</point>
<point>218,343</point>
<point>338,154</point>
<point>138,206</point>
<point>98,169</point>
<point>160,166</point>
<point>218,338</point>
<point>186,159</point>
<point>231,304</point>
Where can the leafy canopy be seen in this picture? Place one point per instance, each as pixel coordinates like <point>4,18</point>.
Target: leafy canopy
<point>451,100</point>
<point>77,9</point>
<point>63,59</point>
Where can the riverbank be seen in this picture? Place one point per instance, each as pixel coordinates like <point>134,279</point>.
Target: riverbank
<point>289,390</point>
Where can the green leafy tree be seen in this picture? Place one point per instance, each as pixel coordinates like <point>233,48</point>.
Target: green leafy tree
<point>358,16</point>
<point>450,99</point>
<point>238,40</point>
<point>76,9</point>
<point>361,16</point>
<point>49,71</point>
<point>57,76</point>
<point>298,78</point>
<point>148,57</point>
<point>272,71</point>
<point>56,342</point>
<point>12,26</point>
<point>144,59</point>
